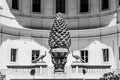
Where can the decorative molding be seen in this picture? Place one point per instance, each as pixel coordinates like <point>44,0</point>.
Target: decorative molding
<point>69,17</point>
<point>92,66</point>
<point>21,32</point>
<point>25,66</point>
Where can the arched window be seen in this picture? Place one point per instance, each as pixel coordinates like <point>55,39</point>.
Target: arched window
<point>15,4</point>
<point>84,5</point>
<point>104,4</point>
<point>36,5</point>
<point>60,6</point>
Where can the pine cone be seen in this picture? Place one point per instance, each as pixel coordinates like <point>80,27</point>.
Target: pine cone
<point>59,34</point>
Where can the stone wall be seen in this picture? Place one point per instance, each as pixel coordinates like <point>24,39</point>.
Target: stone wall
<point>93,19</point>
<point>80,39</point>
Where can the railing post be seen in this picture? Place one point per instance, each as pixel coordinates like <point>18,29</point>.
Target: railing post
<point>76,69</point>
<point>40,69</point>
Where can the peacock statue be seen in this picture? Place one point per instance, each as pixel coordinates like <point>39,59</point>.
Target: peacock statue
<point>39,58</point>
<point>76,55</point>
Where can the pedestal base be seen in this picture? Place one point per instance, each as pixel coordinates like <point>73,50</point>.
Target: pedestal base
<point>59,58</point>
<point>59,70</point>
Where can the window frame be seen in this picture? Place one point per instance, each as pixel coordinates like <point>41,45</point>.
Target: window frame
<point>11,59</point>
<point>109,6</point>
<point>31,6</point>
<point>86,55</point>
<point>118,3</point>
<point>35,55</point>
<point>19,5</point>
<point>66,7</point>
<point>119,53</point>
<point>105,58</point>
<point>89,8</point>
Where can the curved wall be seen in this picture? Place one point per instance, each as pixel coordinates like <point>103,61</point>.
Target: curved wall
<point>93,19</point>
<point>109,34</point>
<point>79,38</point>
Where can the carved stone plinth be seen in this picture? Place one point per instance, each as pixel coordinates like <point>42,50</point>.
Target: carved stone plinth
<point>59,58</point>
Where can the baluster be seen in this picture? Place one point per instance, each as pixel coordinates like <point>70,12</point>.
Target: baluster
<point>76,69</point>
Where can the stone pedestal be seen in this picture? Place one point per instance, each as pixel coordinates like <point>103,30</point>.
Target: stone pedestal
<point>59,58</point>
<point>59,75</point>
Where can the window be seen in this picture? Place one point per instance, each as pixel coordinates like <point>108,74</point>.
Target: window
<point>15,4</point>
<point>36,5</point>
<point>35,54</point>
<point>105,55</point>
<point>60,6</point>
<point>104,4</point>
<point>13,55</point>
<point>84,56</point>
<point>119,53</point>
<point>119,2</point>
<point>84,5</point>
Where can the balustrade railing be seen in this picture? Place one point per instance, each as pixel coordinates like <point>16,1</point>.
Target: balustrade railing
<point>48,72</point>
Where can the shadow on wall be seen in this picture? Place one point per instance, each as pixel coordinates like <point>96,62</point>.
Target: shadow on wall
<point>6,17</point>
<point>88,21</point>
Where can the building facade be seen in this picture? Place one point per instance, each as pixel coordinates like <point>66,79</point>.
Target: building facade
<point>24,32</point>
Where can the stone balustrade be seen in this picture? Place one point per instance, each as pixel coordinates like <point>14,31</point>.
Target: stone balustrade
<point>45,72</point>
